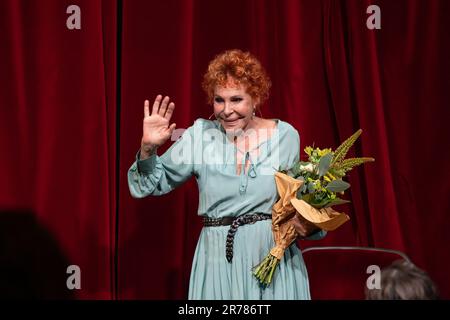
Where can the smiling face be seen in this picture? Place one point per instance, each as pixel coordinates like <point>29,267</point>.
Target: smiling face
<point>233,106</point>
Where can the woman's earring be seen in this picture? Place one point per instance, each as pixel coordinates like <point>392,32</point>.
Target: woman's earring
<point>213,114</point>
<point>254,113</point>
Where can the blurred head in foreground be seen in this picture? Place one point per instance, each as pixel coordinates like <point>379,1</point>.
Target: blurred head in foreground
<point>402,280</point>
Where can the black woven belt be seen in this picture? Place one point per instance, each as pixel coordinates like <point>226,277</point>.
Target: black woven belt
<point>235,222</point>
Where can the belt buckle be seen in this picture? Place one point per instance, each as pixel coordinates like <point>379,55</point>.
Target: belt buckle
<point>212,222</point>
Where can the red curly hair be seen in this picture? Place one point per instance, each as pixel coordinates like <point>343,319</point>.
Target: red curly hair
<point>240,67</point>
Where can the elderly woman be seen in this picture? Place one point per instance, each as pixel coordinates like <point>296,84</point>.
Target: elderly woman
<point>233,159</point>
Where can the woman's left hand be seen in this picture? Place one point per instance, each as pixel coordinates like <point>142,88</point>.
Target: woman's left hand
<point>303,227</point>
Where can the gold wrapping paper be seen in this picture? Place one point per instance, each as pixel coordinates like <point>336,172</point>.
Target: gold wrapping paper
<point>288,205</point>
<point>283,228</point>
<point>325,218</point>
<point>282,211</point>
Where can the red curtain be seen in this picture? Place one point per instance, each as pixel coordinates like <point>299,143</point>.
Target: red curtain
<point>58,145</point>
<point>331,76</point>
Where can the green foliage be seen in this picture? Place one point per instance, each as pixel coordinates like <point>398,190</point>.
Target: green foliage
<point>350,163</point>
<point>342,150</point>
<point>324,164</point>
<point>337,186</point>
<point>322,174</point>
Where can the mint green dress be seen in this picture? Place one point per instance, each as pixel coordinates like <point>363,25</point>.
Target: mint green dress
<point>204,151</point>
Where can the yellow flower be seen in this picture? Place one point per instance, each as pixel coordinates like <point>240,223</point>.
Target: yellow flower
<point>308,150</point>
<point>330,177</point>
<point>323,152</point>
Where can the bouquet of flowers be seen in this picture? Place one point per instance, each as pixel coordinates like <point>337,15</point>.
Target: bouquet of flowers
<point>309,190</point>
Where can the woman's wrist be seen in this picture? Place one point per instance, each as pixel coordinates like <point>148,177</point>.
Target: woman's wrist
<point>147,151</point>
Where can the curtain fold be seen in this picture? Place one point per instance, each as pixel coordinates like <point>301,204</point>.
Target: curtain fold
<point>57,120</point>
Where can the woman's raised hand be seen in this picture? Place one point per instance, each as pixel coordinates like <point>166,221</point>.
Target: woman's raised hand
<point>156,128</point>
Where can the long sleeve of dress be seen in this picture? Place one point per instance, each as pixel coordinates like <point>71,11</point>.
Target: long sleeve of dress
<point>159,175</point>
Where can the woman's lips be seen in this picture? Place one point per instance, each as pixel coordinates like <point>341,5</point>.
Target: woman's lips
<point>231,121</point>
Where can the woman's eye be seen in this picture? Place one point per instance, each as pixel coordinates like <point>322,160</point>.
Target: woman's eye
<point>236,99</point>
<point>218,100</point>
